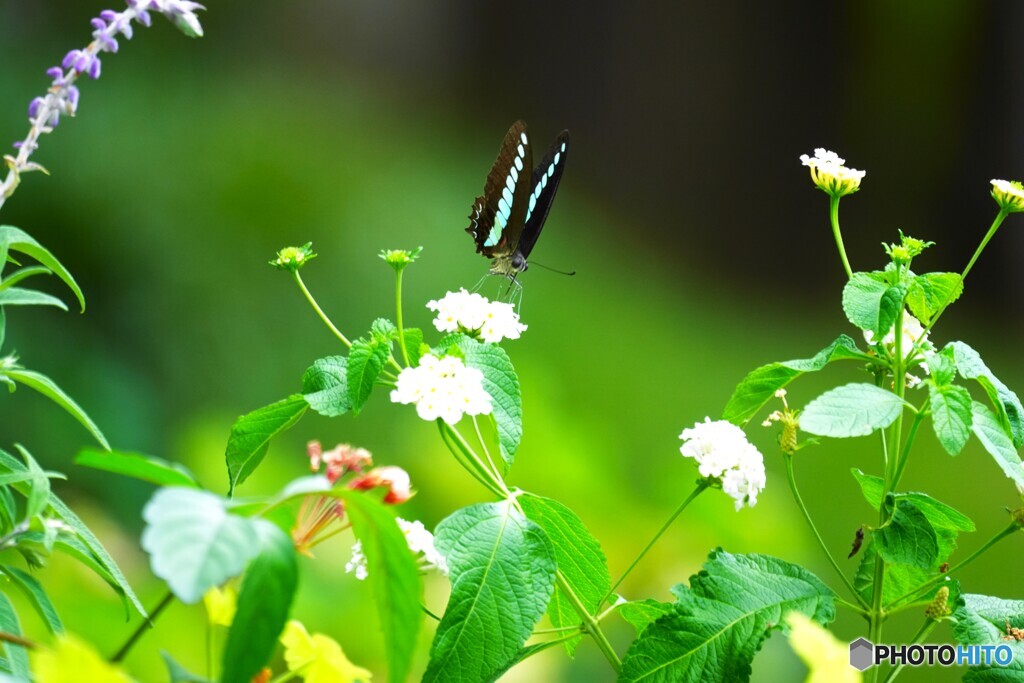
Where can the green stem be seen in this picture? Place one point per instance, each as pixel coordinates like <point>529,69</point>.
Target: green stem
<point>319,311</point>
<point>850,606</point>
<point>703,484</point>
<point>922,634</point>
<point>209,650</point>
<point>901,461</point>
<point>590,624</point>
<point>833,214</point>
<point>807,516</point>
<point>1009,530</point>
<point>138,632</point>
<point>466,459</point>
<point>398,315</point>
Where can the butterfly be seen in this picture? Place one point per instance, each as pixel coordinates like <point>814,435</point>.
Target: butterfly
<point>506,220</point>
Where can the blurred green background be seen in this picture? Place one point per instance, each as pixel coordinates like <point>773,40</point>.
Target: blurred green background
<point>701,247</point>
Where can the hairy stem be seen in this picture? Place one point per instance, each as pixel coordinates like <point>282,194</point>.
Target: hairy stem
<point>833,214</point>
<point>398,315</point>
<point>319,311</point>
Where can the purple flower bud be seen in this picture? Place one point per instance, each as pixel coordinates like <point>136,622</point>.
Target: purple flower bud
<point>108,15</point>
<point>98,24</point>
<point>94,68</point>
<point>126,30</point>
<point>55,72</point>
<point>33,107</point>
<point>144,18</point>
<point>72,100</point>
<point>17,145</point>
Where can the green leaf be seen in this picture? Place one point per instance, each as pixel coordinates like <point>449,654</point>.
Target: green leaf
<point>383,330</point>
<point>932,292</point>
<point>365,362</point>
<point>137,466</point>
<point>18,296</point>
<point>983,620</point>
<point>178,673</point>
<point>993,437</point>
<point>872,304</point>
<point>194,543</point>
<point>871,486</point>
<point>263,604</point>
<point>721,620</point>
<point>940,515</point>
<point>851,410</point>
<point>13,239</point>
<point>579,557</point>
<point>45,386</point>
<point>17,656</point>
<point>251,435</point>
<point>908,537</point>
<point>114,576</point>
<point>394,578</point>
<point>38,494</point>
<point>413,344</point>
<point>951,416</point>
<point>325,386</point>
<point>502,571</point>
<point>942,366</point>
<point>641,613</point>
<point>502,384</point>
<point>37,597</point>
<point>1011,413</point>
<point>22,274</point>
<point>758,387</point>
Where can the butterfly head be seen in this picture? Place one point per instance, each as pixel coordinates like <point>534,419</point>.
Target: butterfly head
<point>509,266</point>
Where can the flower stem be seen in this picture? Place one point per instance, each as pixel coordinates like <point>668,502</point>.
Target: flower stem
<point>590,624</point>
<point>850,606</point>
<point>901,461</point>
<point>807,516</point>
<point>956,567</point>
<point>469,460</point>
<point>703,484</point>
<point>319,311</point>
<point>146,623</point>
<point>398,315</point>
<point>833,213</point>
<point>922,634</point>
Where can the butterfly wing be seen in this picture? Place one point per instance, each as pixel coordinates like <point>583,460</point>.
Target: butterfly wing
<point>497,218</point>
<point>543,187</point>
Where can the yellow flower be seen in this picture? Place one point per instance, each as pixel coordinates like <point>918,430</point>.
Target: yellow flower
<point>220,605</point>
<point>71,660</point>
<point>317,658</point>
<point>827,660</point>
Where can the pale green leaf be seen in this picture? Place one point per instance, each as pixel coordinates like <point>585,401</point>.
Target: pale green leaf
<point>983,620</point>
<point>932,292</point>
<point>366,360</point>
<point>502,384</point>
<point>13,239</point>
<point>325,386</point>
<point>970,366</point>
<point>37,597</point>
<point>951,416</point>
<point>851,410</point>
<point>641,613</point>
<point>993,437</point>
<point>251,435</point>
<point>16,655</point>
<point>19,296</point>
<point>137,466</point>
<point>46,386</point>
<point>870,303</point>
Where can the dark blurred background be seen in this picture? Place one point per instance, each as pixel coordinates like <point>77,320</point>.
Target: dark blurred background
<point>702,251</point>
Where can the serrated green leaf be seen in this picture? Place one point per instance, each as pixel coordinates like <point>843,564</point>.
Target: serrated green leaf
<point>993,437</point>
<point>908,537</point>
<point>932,292</point>
<point>502,568</point>
<point>413,344</point>
<point>17,656</point>
<point>325,386</point>
<point>983,620</point>
<point>194,543</point>
<point>758,387</point>
<point>14,239</point>
<point>251,434</point>
<point>365,363</point>
<point>37,597</point>
<point>263,604</point>
<point>113,574</point>
<point>721,620</point>
<point>871,303</point>
<point>1005,401</point>
<point>942,366</point>
<point>46,386</point>
<point>851,410</point>
<point>579,557</point>
<point>642,613</point>
<point>18,296</point>
<point>138,466</point>
<point>394,578</point>
<point>383,330</point>
<point>502,384</point>
<point>940,515</point>
<point>951,416</point>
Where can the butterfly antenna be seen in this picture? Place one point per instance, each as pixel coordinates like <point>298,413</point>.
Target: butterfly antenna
<point>553,270</point>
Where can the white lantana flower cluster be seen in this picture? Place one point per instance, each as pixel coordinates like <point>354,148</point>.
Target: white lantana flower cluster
<point>828,171</point>
<point>913,330</point>
<point>421,543</point>
<point>442,388</point>
<point>1009,195</point>
<point>723,453</point>
<point>474,314</point>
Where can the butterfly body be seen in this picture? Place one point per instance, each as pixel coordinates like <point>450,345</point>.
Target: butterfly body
<point>506,220</point>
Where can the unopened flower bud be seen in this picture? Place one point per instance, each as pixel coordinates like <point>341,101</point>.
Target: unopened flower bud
<point>293,258</point>
<point>400,258</point>
<point>939,607</point>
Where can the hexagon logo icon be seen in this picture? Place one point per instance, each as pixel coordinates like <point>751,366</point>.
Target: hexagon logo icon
<point>862,654</point>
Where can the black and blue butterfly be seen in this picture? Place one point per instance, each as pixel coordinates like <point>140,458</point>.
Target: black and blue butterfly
<point>506,220</point>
